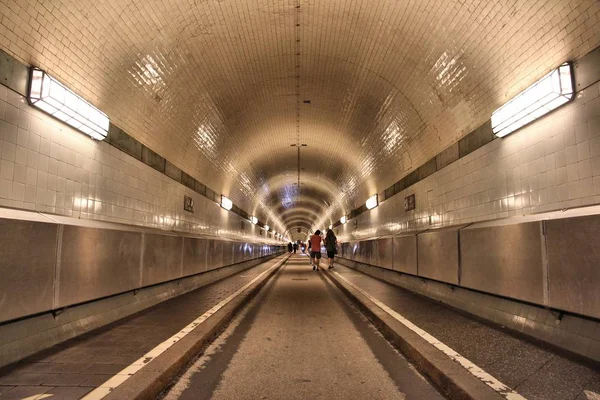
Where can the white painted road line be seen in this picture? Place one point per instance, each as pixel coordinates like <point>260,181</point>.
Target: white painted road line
<point>123,375</point>
<point>479,373</point>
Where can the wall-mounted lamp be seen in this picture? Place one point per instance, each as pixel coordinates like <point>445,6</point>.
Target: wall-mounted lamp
<point>544,96</point>
<point>52,97</point>
<point>254,220</point>
<point>343,220</point>
<point>226,203</point>
<point>372,202</point>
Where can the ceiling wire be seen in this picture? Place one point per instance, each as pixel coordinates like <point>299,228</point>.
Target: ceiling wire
<point>297,58</point>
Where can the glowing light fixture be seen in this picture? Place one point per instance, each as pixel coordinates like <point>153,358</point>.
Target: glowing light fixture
<point>343,220</point>
<point>330,226</point>
<point>52,97</point>
<point>544,96</point>
<point>372,202</point>
<point>267,228</point>
<point>226,203</point>
<point>254,220</point>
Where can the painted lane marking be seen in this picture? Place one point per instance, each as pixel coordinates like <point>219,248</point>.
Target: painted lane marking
<point>126,373</point>
<point>479,373</point>
<point>591,395</point>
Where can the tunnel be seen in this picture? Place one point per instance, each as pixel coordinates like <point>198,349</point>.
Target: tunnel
<point>300,199</point>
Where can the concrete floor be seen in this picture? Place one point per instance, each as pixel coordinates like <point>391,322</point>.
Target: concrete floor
<point>300,338</point>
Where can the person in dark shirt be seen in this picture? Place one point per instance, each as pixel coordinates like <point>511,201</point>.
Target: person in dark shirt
<point>330,246</point>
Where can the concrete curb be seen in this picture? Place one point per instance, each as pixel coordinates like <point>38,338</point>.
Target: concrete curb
<point>450,378</point>
<point>151,380</point>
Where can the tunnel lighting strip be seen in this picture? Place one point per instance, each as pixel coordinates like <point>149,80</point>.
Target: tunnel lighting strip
<point>479,373</point>
<point>52,97</point>
<point>544,96</point>
<point>126,373</point>
<point>226,203</point>
<point>372,202</point>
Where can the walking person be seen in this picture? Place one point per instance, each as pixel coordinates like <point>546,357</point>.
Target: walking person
<point>295,247</point>
<point>315,249</point>
<point>330,246</point>
<point>289,247</point>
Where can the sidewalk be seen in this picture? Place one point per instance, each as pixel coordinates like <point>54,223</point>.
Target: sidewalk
<point>532,370</point>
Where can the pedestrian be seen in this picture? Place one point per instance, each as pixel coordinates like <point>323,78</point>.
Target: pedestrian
<point>330,246</point>
<point>290,247</point>
<point>315,249</point>
<point>295,247</point>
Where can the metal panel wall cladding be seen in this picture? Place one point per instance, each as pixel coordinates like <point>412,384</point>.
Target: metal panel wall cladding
<point>438,254</point>
<point>194,255</point>
<point>162,258</point>
<point>385,248</point>
<point>27,283</point>
<point>228,249</point>
<point>574,264</point>
<point>405,254</point>
<point>238,252</point>
<point>503,259</point>
<point>215,254</point>
<point>97,263</point>
<point>369,255</point>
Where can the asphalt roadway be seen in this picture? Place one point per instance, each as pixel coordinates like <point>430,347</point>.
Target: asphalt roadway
<point>301,338</point>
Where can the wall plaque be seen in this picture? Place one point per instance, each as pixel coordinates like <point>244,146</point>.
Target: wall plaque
<point>188,204</point>
<point>409,203</point>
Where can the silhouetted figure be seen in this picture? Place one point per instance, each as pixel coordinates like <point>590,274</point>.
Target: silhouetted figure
<point>289,247</point>
<point>295,247</point>
<point>330,246</point>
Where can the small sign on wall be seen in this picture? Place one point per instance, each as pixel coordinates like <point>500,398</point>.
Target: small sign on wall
<point>409,203</point>
<point>188,204</point>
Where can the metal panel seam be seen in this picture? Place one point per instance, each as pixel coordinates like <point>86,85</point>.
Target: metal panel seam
<point>59,239</point>
<point>545,270</point>
<point>142,245</point>
<point>181,254</point>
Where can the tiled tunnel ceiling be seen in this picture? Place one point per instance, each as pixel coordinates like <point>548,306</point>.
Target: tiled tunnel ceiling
<point>218,87</point>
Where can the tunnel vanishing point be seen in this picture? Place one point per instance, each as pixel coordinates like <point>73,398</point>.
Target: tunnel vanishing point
<point>166,167</point>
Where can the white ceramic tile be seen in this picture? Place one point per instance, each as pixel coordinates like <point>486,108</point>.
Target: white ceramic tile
<point>31,176</point>
<point>571,153</point>
<point>11,114</point>
<point>585,169</point>
<point>583,151</point>
<point>18,192</point>
<point>32,159</point>
<point>21,155</point>
<point>7,169</point>
<point>8,151</point>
